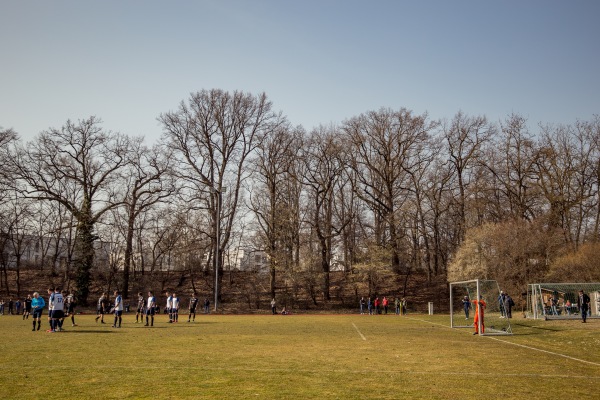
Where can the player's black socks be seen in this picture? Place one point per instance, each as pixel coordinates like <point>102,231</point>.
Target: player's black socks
<point>34,325</point>
<point>39,324</point>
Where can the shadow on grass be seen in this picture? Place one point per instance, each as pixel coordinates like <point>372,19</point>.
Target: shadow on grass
<point>536,327</point>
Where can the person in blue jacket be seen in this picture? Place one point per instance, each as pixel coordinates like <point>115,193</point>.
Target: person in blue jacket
<point>37,306</point>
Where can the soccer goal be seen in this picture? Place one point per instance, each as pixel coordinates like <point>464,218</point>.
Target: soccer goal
<point>559,300</point>
<point>496,319</point>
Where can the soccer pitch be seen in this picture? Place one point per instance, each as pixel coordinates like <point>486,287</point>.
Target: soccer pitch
<point>298,357</point>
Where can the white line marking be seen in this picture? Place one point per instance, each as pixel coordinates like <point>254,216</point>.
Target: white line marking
<point>361,335</point>
<point>545,351</point>
<point>520,345</point>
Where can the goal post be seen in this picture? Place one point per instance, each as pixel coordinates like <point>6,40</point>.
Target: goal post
<point>559,300</point>
<point>494,320</point>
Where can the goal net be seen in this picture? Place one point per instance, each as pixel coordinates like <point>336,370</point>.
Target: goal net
<point>496,311</point>
<point>559,300</point>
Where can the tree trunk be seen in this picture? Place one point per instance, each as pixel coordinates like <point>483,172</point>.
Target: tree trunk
<point>84,259</point>
<point>128,250</point>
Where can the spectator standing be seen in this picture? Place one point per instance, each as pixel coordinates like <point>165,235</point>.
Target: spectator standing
<point>10,306</point>
<point>508,305</point>
<point>385,304</point>
<point>273,306</point>
<point>18,307</point>
<point>362,305</point>
<point>466,305</point>
<point>553,304</point>
<point>583,303</point>
<point>397,305</point>
<point>501,304</point>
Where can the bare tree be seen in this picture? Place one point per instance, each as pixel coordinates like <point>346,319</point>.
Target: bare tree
<point>325,163</point>
<point>79,158</point>
<point>213,134</point>
<point>466,137</point>
<point>147,183</point>
<point>269,197</point>
<point>387,145</point>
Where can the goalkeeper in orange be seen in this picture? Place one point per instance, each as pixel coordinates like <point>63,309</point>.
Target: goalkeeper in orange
<point>479,311</point>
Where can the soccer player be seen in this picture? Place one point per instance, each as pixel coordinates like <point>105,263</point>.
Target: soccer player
<point>479,311</point>
<point>139,313</point>
<point>37,306</point>
<point>70,303</point>
<point>150,308</point>
<point>118,309</point>
<point>175,308</point>
<point>100,309</point>
<point>192,308</point>
<point>58,311</point>
<point>169,306</point>
<point>206,305</point>
<point>27,309</point>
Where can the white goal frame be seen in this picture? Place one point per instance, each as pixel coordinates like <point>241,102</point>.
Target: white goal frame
<point>490,329</point>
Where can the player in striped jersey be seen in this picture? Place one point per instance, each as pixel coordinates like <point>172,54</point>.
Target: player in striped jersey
<point>192,307</point>
<point>139,313</point>
<point>70,307</point>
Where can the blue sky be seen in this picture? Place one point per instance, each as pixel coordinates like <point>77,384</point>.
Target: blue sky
<point>319,62</point>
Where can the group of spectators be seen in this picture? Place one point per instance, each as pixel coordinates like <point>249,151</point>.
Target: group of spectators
<point>12,307</point>
<point>375,306</point>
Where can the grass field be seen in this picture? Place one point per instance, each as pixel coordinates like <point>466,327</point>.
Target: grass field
<point>298,357</point>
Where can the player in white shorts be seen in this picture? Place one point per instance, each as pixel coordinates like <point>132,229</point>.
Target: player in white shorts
<point>118,309</point>
<point>169,306</point>
<point>175,308</point>
<point>150,308</point>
